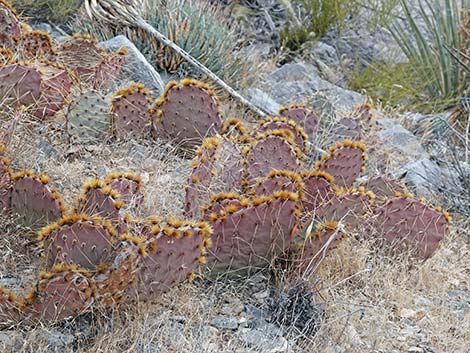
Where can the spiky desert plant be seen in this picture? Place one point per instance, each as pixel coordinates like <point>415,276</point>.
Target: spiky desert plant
<point>131,108</point>
<point>33,201</point>
<point>318,189</point>
<point>56,11</point>
<point>9,308</point>
<point>427,47</point>
<point>186,113</point>
<point>279,180</point>
<point>10,25</point>
<point>35,45</point>
<point>304,117</point>
<point>383,187</point>
<point>6,56</point>
<point>408,224</point>
<point>20,84</point>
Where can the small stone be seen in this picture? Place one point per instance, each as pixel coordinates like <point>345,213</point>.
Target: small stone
<point>263,340</point>
<point>56,339</point>
<point>415,350</point>
<point>407,313</point>
<point>225,322</point>
<point>260,296</point>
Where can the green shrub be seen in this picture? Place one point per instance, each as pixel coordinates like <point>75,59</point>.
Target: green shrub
<point>52,10</point>
<point>196,26</point>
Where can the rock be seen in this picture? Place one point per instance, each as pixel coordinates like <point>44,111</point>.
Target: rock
<point>263,100</point>
<point>415,350</point>
<point>400,139</point>
<point>232,306</point>
<point>10,341</point>
<point>47,149</point>
<point>266,339</point>
<point>327,54</point>
<point>225,322</point>
<point>418,176</point>
<point>56,340</point>
<point>410,314</point>
<point>293,83</point>
<point>136,68</point>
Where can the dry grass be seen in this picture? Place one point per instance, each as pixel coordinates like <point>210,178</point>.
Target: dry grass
<point>372,302</point>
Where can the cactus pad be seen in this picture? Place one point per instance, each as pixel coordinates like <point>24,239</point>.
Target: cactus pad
<point>217,168</point>
<point>186,113</point>
<point>274,150</point>
<point>131,112</point>
<point>383,187</point>
<point>281,123</point>
<point>279,180</point>
<point>303,116</point>
<point>5,182</point>
<point>78,240</point>
<point>9,24</point>
<point>345,162</point>
<point>318,190</point>
<point>98,199</point>
<point>409,224</point>
<point>234,129</point>
<point>129,187</point>
<point>19,85</point>
<point>6,56</point>
<point>175,251</point>
<point>36,45</point>
<point>316,244</point>
<point>55,87</point>
<point>33,201</point>
<point>253,234</point>
<point>9,308</point>
<point>88,117</point>
<point>63,293</point>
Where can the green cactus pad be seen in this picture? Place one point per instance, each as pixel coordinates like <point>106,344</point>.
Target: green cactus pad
<point>186,113</point>
<point>33,201</point>
<point>131,112</point>
<point>304,117</point>
<point>19,85</point>
<point>274,150</point>
<point>253,234</point>
<point>98,199</point>
<point>217,168</point>
<point>175,251</point>
<point>407,224</point>
<point>78,240</point>
<point>63,293</point>
<point>89,117</point>
<point>280,123</point>
<point>345,162</point>
<point>9,308</point>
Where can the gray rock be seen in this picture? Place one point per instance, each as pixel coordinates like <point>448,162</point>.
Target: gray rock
<point>263,100</point>
<point>400,139</point>
<point>47,149</point>
<point>266,339</point>
<point>55,339</point>
<point>136,68</point>
<point>225,322</point>
<point>295,82</point>
<point>327,54</point>
<point>10,340</point>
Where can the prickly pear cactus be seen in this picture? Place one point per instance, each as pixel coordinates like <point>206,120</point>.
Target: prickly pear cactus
<point>384,188</point>
<point>317,244</point>
<point>9,308</point>
<point>235,130</point>
<point>63,293</point>
<point>175,251</point>
<point>78,240</point>
<point>308,120</point>
<point>345,162</point>
<point>278,180</point>
<point>318,190</point>
<point>274,150</point>
<point>349,208</point>
<point>131,112</point>
<point>186,113</point>
<point>35,45</point>
<point>89,117</point>
<point>19,85</point>
<point>282,123</point>
<point>6,56</point>
<point>55,87</point>
<point>99,199</point>
<point>407,224</point>
<point>217,168</point>
<point>33,201</point>
<point>108,71</point>
<point>118,282</point>
<point>9,24</point>
<point>129,187</point>
<point>252,234</point>
<point>5,181</point>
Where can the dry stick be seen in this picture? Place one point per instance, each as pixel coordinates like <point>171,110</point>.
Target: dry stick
<point>124,12</point>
